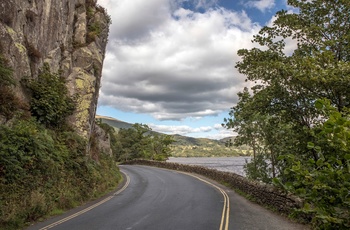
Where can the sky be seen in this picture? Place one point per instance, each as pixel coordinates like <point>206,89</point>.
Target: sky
<point>170,64</point>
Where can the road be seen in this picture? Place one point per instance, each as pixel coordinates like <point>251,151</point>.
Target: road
<point>159,199</point>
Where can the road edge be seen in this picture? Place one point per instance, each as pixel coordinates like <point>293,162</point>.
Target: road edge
<point>71,213</point>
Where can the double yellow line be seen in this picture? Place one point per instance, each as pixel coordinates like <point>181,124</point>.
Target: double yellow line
<point>225,211</point>
<point>88,208</point>
<point>225,217</point>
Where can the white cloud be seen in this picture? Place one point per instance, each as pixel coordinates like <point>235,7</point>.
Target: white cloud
<point>261,5</point>
<point>221,134</point>
<point>170,62</point>
<point>218,126</point>
<point>205,4</point>
<point>204,131</point>
<point>179,129</point>
<point>136,18</point>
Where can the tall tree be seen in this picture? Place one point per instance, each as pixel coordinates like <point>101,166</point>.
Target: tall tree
<point>141,142</point>
<point>280,114</point>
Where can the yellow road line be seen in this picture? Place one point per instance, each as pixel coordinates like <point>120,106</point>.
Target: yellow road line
<point>88,208</point>
<point>226,209</point>
<point>223,211</point>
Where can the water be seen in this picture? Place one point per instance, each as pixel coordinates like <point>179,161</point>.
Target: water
<point>226,164</point>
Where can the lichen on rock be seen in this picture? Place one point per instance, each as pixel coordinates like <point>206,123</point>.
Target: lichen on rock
<point>58,33</point>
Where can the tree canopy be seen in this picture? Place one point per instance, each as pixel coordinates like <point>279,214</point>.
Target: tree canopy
<point>296,116</point>
<point>141,142</point>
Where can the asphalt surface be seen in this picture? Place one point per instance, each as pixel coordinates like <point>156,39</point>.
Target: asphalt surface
<point>159,199</point>
<point>154,199</point>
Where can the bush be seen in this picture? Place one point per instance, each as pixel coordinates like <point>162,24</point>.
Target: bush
<point>5,73</point>
<point>9,102</point>
<point>50,102</point>
<point>42,170</point>
<point>44,166</point>
<point>325,183</point>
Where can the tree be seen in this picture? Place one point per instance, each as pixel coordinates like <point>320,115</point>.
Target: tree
<point>325,184</point>
<point>141,142</point>
<point>280,115</point>
<point>159,146</point>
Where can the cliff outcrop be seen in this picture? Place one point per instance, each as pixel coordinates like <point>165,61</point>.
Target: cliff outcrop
<point>69,35</point>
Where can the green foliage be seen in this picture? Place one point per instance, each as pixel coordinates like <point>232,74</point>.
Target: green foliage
<point>112,135</point>
<point>9,102</point>
<point>50,102</point>
<point>42,170</point>
<point>94,29</point>
<point>303,140</point>
<point>258,169</point>
<point>325,183</point>
<point>5,73</point>
<point>140,142</point>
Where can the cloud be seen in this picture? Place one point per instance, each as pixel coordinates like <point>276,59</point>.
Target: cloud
<point>179,129</point>
<point>261,5</point>
<point>205,131</point>
<point>171,62</point>
<point>221,134</point>
<point>135,19</point>
<point>205,4</point>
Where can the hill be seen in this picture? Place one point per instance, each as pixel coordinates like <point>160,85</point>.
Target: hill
<point>115,123</point>
<point>189,146</point>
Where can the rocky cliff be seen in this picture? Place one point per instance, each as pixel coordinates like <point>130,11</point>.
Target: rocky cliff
<point>69,35</point>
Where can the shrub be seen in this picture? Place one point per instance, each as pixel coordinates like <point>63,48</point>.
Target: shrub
<point>6,78</point>
<point>50,102</point>
<point>9,102</point>
<point>42,170</point>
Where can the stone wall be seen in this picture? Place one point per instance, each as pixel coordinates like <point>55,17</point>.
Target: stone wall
<point>70,35</point>
<point>266,195</point>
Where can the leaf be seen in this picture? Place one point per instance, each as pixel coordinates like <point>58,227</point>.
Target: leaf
<point>317,149</point>
<point>329,125</point>
<point>310,145</point>
<point>319,162</point>
<point>319,105</point>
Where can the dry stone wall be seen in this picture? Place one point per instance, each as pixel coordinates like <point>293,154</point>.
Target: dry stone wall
<point>261,193</point>
<point>70,35</point>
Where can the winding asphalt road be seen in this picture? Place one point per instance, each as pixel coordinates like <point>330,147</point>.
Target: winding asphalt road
<point>159,199</point>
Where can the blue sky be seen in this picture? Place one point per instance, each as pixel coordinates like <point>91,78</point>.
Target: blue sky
<point>170,63</point>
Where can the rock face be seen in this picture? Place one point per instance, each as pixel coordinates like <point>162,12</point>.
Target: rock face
<point>70,35</point>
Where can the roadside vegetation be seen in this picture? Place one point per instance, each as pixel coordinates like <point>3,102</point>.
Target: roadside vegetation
<point>139,142</point>
<point>44,164</point>
<point>296,118</point>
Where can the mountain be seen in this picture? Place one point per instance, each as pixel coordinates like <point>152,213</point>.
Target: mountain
<point>115,123</point>
<point>189,146</point>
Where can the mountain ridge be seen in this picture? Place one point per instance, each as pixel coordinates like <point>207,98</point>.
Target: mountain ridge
<point>185,146</point>
<point>118,124</point>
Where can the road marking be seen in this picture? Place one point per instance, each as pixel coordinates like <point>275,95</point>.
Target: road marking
<point>225,217</point>
<point>89,208</point>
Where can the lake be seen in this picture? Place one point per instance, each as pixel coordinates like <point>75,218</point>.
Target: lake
<point>226,164</point>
